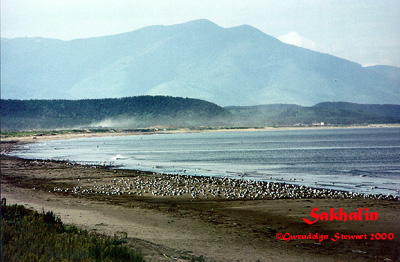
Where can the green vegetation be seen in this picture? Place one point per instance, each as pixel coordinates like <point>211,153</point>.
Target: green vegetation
<point>128,112</point>
<point>329,113</point>
<point>152,113</point>
<point>383,111</point>
<point>30,236</point>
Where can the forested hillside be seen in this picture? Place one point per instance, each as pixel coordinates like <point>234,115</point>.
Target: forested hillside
<point>339,113</point>
<point>147,111</point>
<point>383,111</point>
<point>126,112</point>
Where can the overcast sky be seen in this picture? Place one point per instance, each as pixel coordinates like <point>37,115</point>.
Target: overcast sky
<point>364,31</point>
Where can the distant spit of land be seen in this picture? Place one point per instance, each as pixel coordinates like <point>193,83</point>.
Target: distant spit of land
<point>37,135</point>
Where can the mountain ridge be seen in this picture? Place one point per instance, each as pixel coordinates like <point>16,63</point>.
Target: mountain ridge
<point>228,66</point>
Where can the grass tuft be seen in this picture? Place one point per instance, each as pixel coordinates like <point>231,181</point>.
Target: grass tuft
<point>27,235</point>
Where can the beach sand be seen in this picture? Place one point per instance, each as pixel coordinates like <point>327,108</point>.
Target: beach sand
<point>178,228</point>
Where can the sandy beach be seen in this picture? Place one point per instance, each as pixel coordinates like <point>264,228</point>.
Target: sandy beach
<point>188,224</point>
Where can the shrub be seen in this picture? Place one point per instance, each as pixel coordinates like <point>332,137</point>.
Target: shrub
<point>30,236</point>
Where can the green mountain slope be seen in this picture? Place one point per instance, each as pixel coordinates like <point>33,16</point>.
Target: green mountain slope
<point>126,112</point>
<point>146,111</point>
<point>383,111</point>
<point>339,113</point>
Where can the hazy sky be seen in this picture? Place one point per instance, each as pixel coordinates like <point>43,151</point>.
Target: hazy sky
<point>364,31</point>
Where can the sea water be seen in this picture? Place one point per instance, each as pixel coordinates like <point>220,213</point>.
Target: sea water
<point>365,160</point>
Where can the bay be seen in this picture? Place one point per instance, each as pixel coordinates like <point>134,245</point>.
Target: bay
<point>365,160</point>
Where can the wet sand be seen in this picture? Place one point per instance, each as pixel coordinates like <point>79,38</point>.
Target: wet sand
<point>179,227</point>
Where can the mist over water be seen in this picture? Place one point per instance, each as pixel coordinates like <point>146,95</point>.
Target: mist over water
<point>357,160</point>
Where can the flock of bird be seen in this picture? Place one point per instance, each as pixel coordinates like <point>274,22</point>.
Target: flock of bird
<point>206,188</point>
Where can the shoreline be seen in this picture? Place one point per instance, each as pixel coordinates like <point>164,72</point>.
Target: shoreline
<point>167,228</point>
<point>320,186</point>
<point>266,189</point>
<point>217,228</point>
<point>39,137</point>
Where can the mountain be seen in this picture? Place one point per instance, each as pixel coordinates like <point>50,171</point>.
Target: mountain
<point>387,71</point>
<point>199,59</point>
<point>128,112</point>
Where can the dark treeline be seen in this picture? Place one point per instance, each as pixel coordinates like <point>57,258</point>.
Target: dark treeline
<point>340,113</point>
<point>384,111</point>
<point>135,111</point>
<point>146,111</point>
